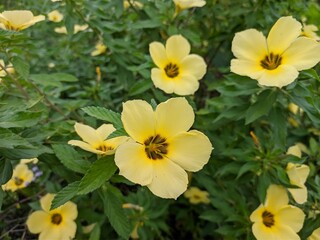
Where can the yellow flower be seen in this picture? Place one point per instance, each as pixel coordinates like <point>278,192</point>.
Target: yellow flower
<point>275,60</point>
<point>55,16</point>
<point>294,150</point>
<point>160,148</point>
<point>99,49</point>
<point>3,73</point>
<point>136,4</point>
<point>57,224</point>
<point>196,196</point>
<point>18,20</point>
<point>275,219</point>
<point>185,4</point>
<point>94,139</point>
<point>31,160</point>
<point>77,28</point>
<point>21,177</point>
<point>315,235</point>
<point>310,31</point>
<point>177,72</point>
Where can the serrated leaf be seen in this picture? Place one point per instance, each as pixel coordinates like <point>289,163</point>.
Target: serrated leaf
<point>104,114</point>
<point>22,119</point>
<point>118,133</point>
<point>99,172</point>
<point>21,66</point>
<point>11,140</point>
<point>65,194</point>
<point>5,171</point>
<point>140,87</point>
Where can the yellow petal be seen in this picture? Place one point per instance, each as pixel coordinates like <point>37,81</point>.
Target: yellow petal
<point>294,150</point>
<point>191,150</point>
<point>35,19</point>
<point>68,230</point>
<point>85,146</point>
<point>279,77</point>
<point>247,68</point>
<point>256,215</point>
<point>69,211</point>
<point>291,216</point>
<point>298,173</point>
<point>161,81</point>
<point>282,34</point>
<point>174,116</point>
<point>88,134</point>
<point>138,119</point>
<point>51,232</point>
<point>300,195</point>
<point>186,85</point>
<point>304,53</point>
<point>177,48</point>
<point>46,201</point>
<point>315,235</point>
<point>169,180</point>
<point>279,232</point>
<point>116,142</point>
<point>105,130</point>
<point>38,221</point>
<point>133,163</point>
<point>276,198</point>
<point>18,17</point>
<point>194,65</point>
<point>158,54</point>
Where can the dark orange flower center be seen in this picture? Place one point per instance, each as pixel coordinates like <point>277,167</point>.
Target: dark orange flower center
<point>271,61</point>
<point>56,218</point>
<point>18,181</point>
<point>156,147</point>
<point>171,70</point>
<point>268,219</point>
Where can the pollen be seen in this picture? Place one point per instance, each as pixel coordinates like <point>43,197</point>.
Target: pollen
<point>156,147</point>
<point>56,218</point>
<point>268,219</point>
<point>18,181</point>
<point>271,61</point>
<point>171,70</point>
<point>104,148</point>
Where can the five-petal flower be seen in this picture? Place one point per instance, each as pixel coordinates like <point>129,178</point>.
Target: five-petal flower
<point>21,177</point>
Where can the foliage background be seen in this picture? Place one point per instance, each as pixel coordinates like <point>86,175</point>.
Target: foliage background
<point>59,77</point>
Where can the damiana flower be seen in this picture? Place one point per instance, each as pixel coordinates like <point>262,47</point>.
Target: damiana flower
<point>77,28</point>
<point>275,60</point>
<point>315,235</point>
<point>178,71</point>
<point>94,140</point>
<point>21,178</point>
<point>18,20</point>
<point>99,49</point>
<point>136,4</point>
<point>57,224</point>
<point>161,148</point>
<point>275,219</point>
<point>55,16</point>
<point>196,196</point>
<point>185,4</point>
<point>310,31</point>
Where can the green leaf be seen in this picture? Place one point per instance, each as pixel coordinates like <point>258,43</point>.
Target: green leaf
<point>117,133</point>
<point>65,194</point>
<point>11,140</point>
<point>70,158</point>
<point>262,106</point>
<point>140,87</point>
<point>22,119</point>
<point>5,170</point>
<point>146,24</point>
<point>1,197</point>
<point>104,114</point>
<point>99,172</point>
<point>21,66</point>
<point>278,121</point>
<point>95,233</point>
<point>248,166</point>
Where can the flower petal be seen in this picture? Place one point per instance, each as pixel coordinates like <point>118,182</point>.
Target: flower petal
<point>69,211</point>
<point>160,80</point>
<point>85,146</point>
<point>115,142</point>
<point>279,232</point>
<point>177,48</point>
<point>105,130</point>
<point>138,119</point>
<point>46,201</point>
<point>169,180</point>
<point>190,150</point>
<point>18,17</point>
<point>38,221</point>
<point>249,45</point>
<point>194,65</point>
<point>276,198</point>
<point>282,34</point>
<point>51,232</point>
<point>186,85</point>
<point>68,230</point>
<point>174,116</point>
<point>248,68</point>
<point>158,54</point>
<point>303,53</point>
<point>300,195</point>
<point>133,163</point>
<point>291,216</point>
<point>35,19</point>
<point>256,215</point>
<point>88,134</point>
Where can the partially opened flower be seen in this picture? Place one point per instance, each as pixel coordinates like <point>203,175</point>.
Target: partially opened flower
<point>161,148</point>
<point>277,59</point>
<point>185,4</point>
<point>55,16</point>
<point>275,219</point>
<point>196,196</point>
<point>94,140</point>
<point>21,177</point>
<point>99,49</point>
<point>310,31</point>
<point>57,224</point>
<point>315,235</point>
<point>18,20</point>
<point>177,71</point>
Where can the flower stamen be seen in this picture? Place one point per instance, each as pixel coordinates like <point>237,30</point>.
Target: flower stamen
<point>268,219</point>
<point>56,218</point>
<point>271,61</point>
<point>156,147</point>
<point>104,148</point>
<point>172,70</point>
<point>18,181</point>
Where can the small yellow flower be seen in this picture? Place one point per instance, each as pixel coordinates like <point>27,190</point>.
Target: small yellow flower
<point>295,109</point>
<point>18,20</point>
<point>177,71</point>
<point>21,177</point>
<point>315,235</point>
<point>136,4</point>
<point>161,148</point>
<point>196,196</point>
<point>99,49</point>
<point>277,59</point>
<point>185,4</point>
<point>31,160</point>
<point>94,139</point>
<point>275,219</point>
<point>294,150</point>
<point>77,28</point>
<point>55,16</point>
<point>310,31</point>
<point>57,224</point>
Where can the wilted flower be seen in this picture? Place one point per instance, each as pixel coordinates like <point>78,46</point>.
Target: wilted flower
<point>196,196</point>
<point>310,31</point>
<point>94,140</point>
<point>57,224</point>
<point>99,49</point>
<point>18,20</point>
<point>55,16</point>
<point>161,148</point>
<point>136,4</point>
<point>275,60</point>
<point>21,178</point>
<point>315,235</point>
<point>77,28</point>
<point>178,71</point>
<point>185,4</point>
<point>275,219</point>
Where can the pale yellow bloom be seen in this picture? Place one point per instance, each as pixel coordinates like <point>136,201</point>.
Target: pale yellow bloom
<point>136,4</point>
<point>18,20</point>
<point>315,235</point>
<point>31,160</point>
<point>277,59</point>
<point>294,150</point>
<point>161,148</point>
<point>295,109</point>
<point>177,71</point>
<point>275,219</point>
<point>88,229</point>
<point>310,31</point>
<point>185,4</point>
<point>55,16</point>
<point>94,140</point>
<point>196,196</point>
<point>21,177</point>
<point>99,49</point>
<point>57,224</point>
<point>77,28</point>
